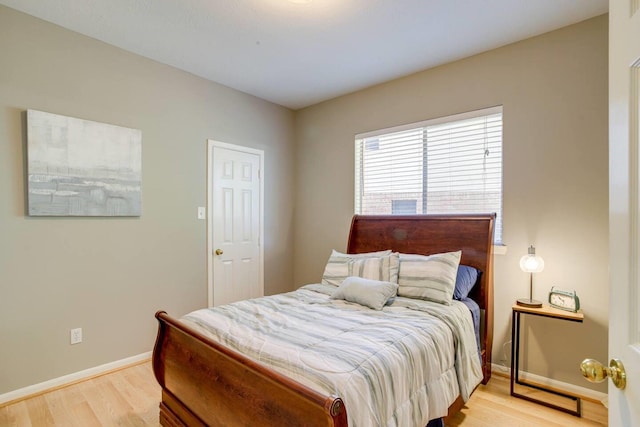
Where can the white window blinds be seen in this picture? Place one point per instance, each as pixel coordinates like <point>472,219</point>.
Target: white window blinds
<point>447,165</point>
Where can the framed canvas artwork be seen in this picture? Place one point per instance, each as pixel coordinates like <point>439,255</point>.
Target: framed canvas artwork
<point>82,168</point>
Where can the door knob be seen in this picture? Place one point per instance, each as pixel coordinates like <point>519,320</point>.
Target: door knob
<point>596,372</point>
<point>219,252</point>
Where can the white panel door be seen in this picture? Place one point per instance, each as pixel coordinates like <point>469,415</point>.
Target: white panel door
<point>624,248</point>
<point>235,217</point>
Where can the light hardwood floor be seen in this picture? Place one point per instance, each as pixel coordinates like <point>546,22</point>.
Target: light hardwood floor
<point>492,405</point>
<point>130,397</point>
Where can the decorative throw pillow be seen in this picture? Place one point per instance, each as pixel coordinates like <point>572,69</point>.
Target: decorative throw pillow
<point>337,268</point>
<point>370,293</point>
<point>465,281</point>
<point>431,277</point>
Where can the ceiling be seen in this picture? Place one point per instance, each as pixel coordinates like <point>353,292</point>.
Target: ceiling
<point>297,55</point>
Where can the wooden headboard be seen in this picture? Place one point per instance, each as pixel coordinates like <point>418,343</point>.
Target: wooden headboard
<point>431,234</point>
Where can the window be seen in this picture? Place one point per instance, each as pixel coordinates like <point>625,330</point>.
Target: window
<point>447,165</point>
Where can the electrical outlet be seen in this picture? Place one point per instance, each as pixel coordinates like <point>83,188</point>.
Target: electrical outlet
<point>76,336</point>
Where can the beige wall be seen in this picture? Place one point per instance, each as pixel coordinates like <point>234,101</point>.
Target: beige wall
<point>554,92</point>
<point>109,275</point>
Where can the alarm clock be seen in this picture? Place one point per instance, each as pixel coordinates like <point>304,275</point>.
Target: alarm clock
<point>564,300</point>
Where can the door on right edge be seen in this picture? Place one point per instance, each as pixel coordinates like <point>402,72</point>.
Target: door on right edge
<point>624,199</point>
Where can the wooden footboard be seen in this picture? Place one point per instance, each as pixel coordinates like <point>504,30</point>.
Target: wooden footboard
<point>220,387</point>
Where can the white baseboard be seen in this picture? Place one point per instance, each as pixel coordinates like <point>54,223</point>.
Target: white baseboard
<point>582,392</point>
<point>71,378</point>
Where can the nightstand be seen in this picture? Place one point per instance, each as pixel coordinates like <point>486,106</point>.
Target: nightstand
<point>544,311</point>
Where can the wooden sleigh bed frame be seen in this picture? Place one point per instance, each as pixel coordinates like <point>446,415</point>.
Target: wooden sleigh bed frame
<point>207,384</point>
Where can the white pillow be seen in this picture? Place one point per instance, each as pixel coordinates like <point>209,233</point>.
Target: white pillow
<point>337,267</point>
<point>370,293</point>
<point>431,277</point>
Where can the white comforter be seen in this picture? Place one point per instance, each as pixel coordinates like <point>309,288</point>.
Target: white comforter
<point>401,366</point>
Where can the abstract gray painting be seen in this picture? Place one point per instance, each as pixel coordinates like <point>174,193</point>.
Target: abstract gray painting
<point>82,168</point>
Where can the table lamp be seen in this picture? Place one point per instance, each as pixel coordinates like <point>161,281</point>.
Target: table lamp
<point>531,263</point>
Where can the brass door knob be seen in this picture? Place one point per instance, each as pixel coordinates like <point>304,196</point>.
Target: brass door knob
<point>219,252</point>
<point>596,372</point>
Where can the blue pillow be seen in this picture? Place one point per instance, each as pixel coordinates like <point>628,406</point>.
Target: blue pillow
<point>465,281</point>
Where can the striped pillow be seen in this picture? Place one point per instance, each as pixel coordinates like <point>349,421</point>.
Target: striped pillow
<point>384,269</point>
<point>337,268</point>
<point>430,277</point>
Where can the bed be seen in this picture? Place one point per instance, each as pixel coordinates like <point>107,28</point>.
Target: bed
<point>206,382</point>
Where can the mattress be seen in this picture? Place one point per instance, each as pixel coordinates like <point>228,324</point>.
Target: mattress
<point>400,366</point>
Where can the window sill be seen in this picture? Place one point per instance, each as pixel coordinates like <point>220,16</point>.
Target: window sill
<point>499,249</point>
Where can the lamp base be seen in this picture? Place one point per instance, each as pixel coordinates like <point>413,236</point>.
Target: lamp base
<point>527,302</point>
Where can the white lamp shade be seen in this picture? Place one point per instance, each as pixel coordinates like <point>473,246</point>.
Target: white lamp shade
<point>532,263</point>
